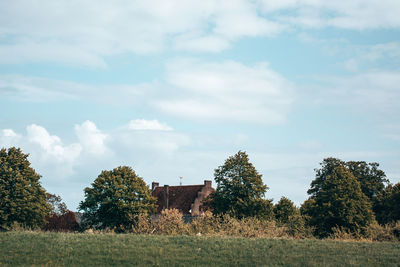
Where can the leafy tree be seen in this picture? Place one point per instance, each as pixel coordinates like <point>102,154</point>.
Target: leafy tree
<point>116,199</point>
<point>60,219</point>
<point>22,198</point>
<point>65,222</point>
<point>387,204</point>
<point>284,209</point>
<point>327,167</point>
<point>338,202</point>
<point>372,180</point>
<point>240,189</point>
<point>58,206</point>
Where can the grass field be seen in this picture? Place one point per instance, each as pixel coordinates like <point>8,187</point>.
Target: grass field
<point>61,249</point>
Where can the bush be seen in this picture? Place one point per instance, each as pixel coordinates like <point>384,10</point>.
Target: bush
<point>388,232</point>
<point>144,225</point>
<point>62,222</point>
<point>297,228</point>
<point>170,222</point>
<point>206,223</point>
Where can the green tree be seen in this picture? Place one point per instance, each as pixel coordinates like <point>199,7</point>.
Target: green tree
<point>240,189</point>
<point>22,198</point>
<point>387,204</point>
<point>56,203</point>
<point>372,180</point>
<point>116,199</point>
<point>284,209</point>
<point>338,202</point>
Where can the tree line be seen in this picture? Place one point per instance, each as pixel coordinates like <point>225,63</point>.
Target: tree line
<point>349,196</point>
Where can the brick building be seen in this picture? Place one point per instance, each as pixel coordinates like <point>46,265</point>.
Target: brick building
<point>186,198</point>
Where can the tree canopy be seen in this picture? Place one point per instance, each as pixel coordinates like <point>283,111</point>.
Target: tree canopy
<point>284,209</point>
<point>387,204</point>
<point>115,200</point>
<point>240,189</point>
<point>372,180</point>
<point>338,202</point>
<point>22,198</point>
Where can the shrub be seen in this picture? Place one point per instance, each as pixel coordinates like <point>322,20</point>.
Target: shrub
<point>62,222</point>
<point>206,223</point>
<point>144,225</point>
<point>296,227</point>
<point>388,232</point>
<point>170,222</point>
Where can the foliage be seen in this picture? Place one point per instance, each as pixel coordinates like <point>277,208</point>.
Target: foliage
<point>170,222</point>
<point>387,232</point>
<point>387,204</point>
<point>372,180</point>
<point>65,222</point>
<point>338,202</point>
<point>116,199</point>
<point>69,249</point>
<point>61,219</point>
<point>22,198</point>
<point>284,209</point>
<point>58,206</point>
<point>206,224</point>
<point>240,189</point>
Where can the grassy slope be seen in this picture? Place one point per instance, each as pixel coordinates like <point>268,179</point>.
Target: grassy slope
<point>27,248</point>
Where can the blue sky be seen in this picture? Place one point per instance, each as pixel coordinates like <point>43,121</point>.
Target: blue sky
<point>172,88</point>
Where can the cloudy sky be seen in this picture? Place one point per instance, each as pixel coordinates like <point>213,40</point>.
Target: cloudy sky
<point>172,88</point>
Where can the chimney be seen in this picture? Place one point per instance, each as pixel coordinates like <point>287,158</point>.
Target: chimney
<point>166,196</point>
<point>207,183</point>
<point>154,185</point>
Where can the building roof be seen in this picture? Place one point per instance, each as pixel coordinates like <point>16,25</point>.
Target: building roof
<point>180,197</point>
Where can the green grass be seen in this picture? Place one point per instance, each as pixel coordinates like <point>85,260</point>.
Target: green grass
<point>60,249</point>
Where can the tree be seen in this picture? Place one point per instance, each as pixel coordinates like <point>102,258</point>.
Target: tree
<point>372,180</point>
<point>60,219</point>
<point>387,204</point>
<point>116,199</point>
<point>56,203</point>
<point>284,209</point>
<point>22,198</point>
<point>240,189</point>
<point>338,202</point>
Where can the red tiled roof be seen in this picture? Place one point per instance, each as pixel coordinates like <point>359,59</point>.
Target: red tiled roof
<point>180,197</point>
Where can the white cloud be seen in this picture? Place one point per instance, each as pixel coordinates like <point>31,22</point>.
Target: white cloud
<point>91,138</point>
<point>366,56</point>
<point>355,15</point>
<point>86,33</point>
<point>37,89</point>
<point>227,90</point>
<point>52,145</point>
<point>47,152</point>
<point>8,138</point>
<point>142,124</point>
<point>208,43</point>
<point>383,50</point>
<point>56,160</point>
<point>72,32</point>
<point>375,93</point>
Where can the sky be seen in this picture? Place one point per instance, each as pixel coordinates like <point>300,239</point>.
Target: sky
<point>173,88</point>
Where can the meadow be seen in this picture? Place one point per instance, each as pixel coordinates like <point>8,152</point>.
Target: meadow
<point>22,248</point>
